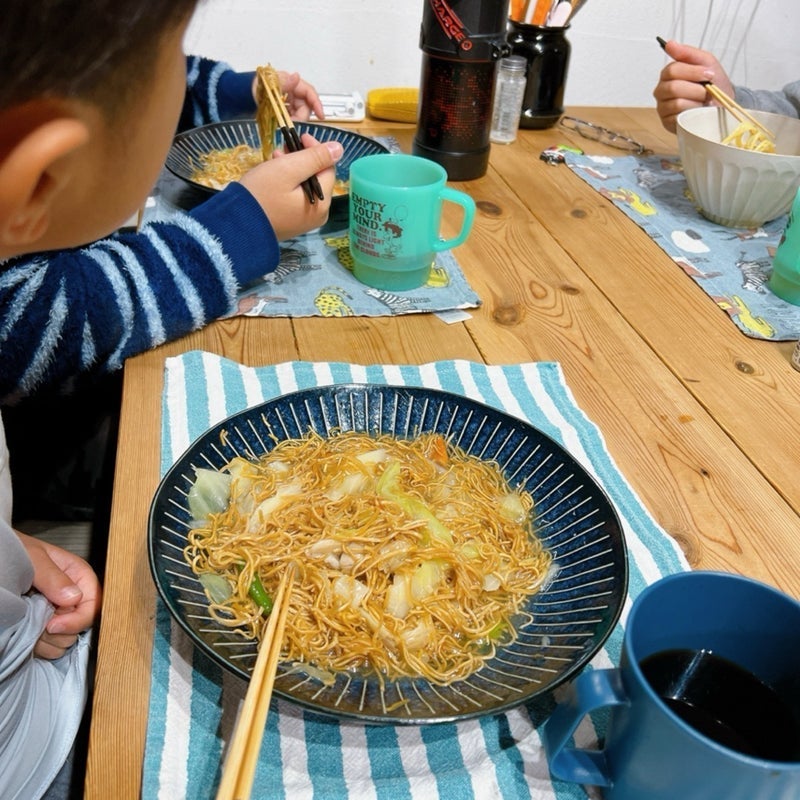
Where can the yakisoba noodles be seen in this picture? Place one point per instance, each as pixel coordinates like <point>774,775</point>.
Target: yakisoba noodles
<point>413,557</point>
<point>748,137</point>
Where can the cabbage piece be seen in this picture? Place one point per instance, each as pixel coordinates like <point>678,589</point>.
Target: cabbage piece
<point>373,457</point>
<point>416,509</point>
<point>284,493</point>
<point>217,588</point>
<point>512,509</point>
<point>398,597</point>
<point>209,494</point>
<point>417,637</point>
<point>349,484</point>
<point>349,591</point>
<point>427,577</point>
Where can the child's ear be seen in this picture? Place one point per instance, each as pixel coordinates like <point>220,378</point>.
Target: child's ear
<point>32,172</point>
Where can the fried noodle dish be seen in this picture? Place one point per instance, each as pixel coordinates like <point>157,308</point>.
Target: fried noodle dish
<point>414,559</point>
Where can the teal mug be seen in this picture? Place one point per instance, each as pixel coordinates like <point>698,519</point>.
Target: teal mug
<point>395,216</point>
<point>705,703</point>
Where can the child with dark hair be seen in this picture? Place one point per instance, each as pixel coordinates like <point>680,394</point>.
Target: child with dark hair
<point>91,95</point>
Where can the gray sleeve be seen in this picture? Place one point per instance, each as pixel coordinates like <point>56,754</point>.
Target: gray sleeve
<point>53,693</point>
<point>786,101</point>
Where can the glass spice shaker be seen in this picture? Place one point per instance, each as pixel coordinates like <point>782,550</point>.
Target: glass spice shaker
<point>508,93</point>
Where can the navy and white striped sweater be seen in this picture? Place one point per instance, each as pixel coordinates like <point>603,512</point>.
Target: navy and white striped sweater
<point>82,312</point>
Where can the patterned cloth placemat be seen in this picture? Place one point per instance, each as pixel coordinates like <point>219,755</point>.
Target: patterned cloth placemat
<point>193,702</point>
<point>732,265</point>
<point>315,279</point>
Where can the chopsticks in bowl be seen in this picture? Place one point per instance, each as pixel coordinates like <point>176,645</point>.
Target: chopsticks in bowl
<point>291,137</point>
<point>240,764</point>
<point>733,108</point>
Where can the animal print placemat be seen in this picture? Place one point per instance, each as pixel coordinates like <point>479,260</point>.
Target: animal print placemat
<point>732,265</point>
<point>315,278</point>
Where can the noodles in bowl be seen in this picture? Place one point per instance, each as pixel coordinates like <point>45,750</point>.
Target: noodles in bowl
<point>203,160</point>
<point>414,558</point>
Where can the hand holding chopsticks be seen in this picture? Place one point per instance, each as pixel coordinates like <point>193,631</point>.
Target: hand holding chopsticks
<point>688,65</point>
<point>291,137</point>
<point>240,764</point>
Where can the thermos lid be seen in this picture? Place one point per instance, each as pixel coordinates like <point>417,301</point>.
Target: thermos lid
<point>472,30</point>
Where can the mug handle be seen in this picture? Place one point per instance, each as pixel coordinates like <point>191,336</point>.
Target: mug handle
<point>468,204</point>
<point>593,689</point>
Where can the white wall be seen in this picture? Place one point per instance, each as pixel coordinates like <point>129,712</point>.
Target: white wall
<point>344,45</point>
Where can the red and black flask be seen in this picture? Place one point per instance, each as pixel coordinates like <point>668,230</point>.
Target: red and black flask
<point>461,43</point>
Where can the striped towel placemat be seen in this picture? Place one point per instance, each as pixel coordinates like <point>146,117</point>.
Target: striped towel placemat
<point>193,701</point>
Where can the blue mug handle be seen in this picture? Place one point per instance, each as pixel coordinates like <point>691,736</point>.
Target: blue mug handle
<point>593,689</point>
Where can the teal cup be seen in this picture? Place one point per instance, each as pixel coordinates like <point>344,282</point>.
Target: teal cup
<point>785,278</point>
<point>396,205</point>
<point>705,704</point>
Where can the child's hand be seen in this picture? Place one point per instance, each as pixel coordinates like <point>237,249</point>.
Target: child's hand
<point>70,585</point>
<point>680,82</point>
<point>276,185</point>
<point>301,97</point>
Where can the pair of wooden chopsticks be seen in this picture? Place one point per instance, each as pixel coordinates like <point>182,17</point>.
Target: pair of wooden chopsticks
<point>291,137</point>
<point>240,765</point>
<point>733,108</point>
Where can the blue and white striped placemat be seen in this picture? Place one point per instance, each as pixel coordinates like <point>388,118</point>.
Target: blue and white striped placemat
<point>193,702</point>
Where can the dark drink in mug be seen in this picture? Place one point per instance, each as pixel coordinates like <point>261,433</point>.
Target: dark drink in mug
<point>725,702</point>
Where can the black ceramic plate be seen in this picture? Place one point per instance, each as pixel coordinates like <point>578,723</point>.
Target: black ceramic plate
<point>572,617</point>
<point>184,155</point>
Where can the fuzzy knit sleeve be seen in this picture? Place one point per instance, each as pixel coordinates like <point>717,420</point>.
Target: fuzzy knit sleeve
<point>82,312</point>
<point>786,101</point>
<point>215,92</point>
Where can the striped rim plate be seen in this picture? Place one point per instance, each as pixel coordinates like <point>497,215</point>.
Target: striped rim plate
<point>570,618</point>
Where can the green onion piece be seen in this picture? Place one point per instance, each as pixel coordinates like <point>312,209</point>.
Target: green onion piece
<point>260,595</point>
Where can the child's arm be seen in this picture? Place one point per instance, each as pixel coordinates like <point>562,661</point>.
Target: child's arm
<point>69,312</point>
<point>215,92</point>
<point>77,312</point>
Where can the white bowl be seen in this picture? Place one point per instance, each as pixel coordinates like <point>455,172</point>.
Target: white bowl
<point>732,186</point>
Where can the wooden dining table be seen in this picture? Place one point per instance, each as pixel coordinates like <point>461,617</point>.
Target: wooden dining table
<point>703,421</point>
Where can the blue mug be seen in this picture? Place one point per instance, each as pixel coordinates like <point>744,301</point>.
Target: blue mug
<point>705,703</point>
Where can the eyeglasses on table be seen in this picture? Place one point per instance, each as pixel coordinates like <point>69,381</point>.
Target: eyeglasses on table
<point>588,130</point>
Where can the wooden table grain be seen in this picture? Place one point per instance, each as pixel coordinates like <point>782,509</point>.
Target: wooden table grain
<point>703,421</point>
